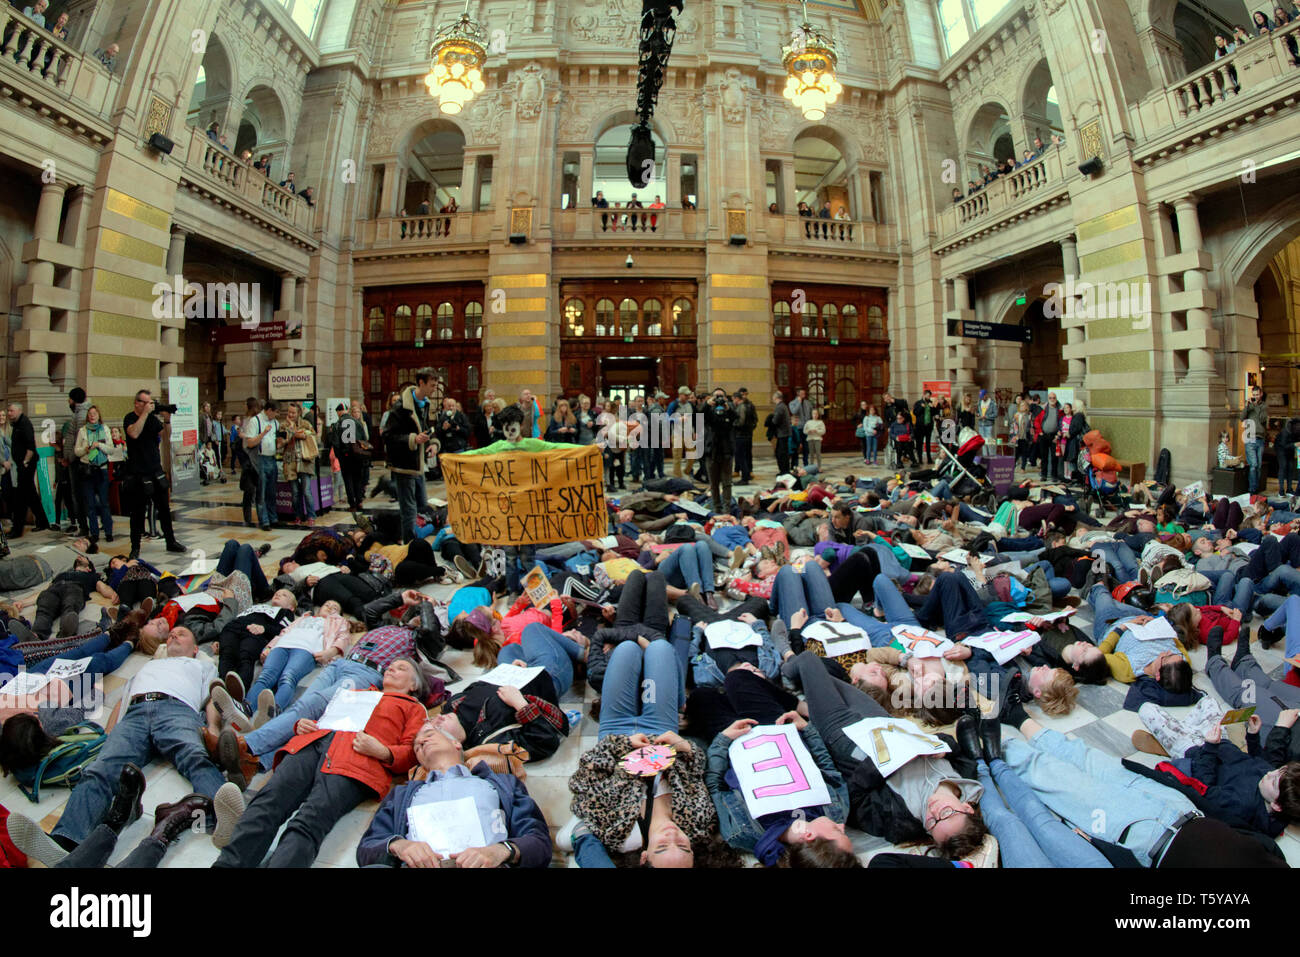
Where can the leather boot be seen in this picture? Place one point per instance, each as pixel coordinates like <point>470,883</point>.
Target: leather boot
<point>170,821</point>
<point>967,735</point>
<point>991,739</point>
<point>126,806</point>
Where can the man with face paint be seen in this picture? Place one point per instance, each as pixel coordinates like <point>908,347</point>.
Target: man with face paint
<point>406,438</point>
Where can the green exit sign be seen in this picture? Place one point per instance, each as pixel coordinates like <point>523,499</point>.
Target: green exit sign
<point>835,342</point>
<point>627,339</point>
<point>1021,300</point>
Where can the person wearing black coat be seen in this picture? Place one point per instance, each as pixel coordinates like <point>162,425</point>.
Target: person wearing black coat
<point>721,420</point>
<point>451,427</point>
<point>1288,474</point>
<point>26,460</point>
<point>923,418</point>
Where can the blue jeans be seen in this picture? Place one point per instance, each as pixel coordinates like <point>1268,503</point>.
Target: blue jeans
<point>94,493</point>
<point>638,462</point>
<point>302,497</point>
<point>167,727</point>
<point>1234,592</point>
<point>1119,557</point>
<point>1060,586</point>
<point>539,645</point>
<point>411,497</point>
<point>589,852</point>
<point>1289,616</point>
<point>102,660</point>
<point>266,488</point>
<point>810,591</point>
<point>1254,456</point>
<point>689,564</point>
<point>1077,782</point>
<point>340,673</point>
<point>241,558</point>
<point>630,704</point>
<point>869,448</point>
<point>284,668</point>
<point>1106,611</point>
<point>798,442</point>
<point>1028,834</point>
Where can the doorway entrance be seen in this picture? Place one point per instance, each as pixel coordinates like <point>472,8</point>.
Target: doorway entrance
<point>626,378</point>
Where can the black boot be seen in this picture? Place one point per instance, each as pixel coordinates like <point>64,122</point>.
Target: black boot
<point>126,806</point>
<point>1243,647</point>
<point>967,735</point>
<point>991,739</point>
<point>1013,703</point>
<point>1268,637</point>
<point>1214,642</point>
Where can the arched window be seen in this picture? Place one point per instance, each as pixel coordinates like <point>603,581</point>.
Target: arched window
<point>575,318</point>
<point>402,323</point>
<point>809,320</point>
<point>627,317</point>
<point>446,319</point>
<point>471,380</point>
<point>375,325</point>
<point>652,309</point>
<point>850,326</point>
<point>683,318</point>
<point>376,381</point>
<point>424,321</point>
<point>474,320</point>
<point>830,321</point>
<point>605,318</point>
<point>875,322</point>
<point>816,376</point>
<point>781,319</point>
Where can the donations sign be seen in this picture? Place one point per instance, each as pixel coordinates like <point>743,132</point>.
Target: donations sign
<point>526,498</point>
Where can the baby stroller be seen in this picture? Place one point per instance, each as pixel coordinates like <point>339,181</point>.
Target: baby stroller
<point>965,476</point>
<point>1101,473</point>
<point>209,467</point>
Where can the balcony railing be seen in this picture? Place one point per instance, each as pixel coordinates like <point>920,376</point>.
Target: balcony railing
<point>434,229</point>
<point>788,230</point>
<point>1249,67</point>
<point>620,225</point>
<point>1041,180</point>
<point>35,53</point>
<point>214,168</point>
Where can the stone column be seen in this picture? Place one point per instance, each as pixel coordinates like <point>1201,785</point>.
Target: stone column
<point>790,195</point>
<point>33,360</point>
<point>963,368</point>
<point>1199,300</point>
<point>388,198</point>
<point>1078,366</point>
<point>673,174</point>
<point>171,334</point>
<point>469,185</point>
<point>284,351</point>
<point>586,177</point>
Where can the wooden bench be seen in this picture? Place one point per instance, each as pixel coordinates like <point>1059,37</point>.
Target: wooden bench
<point>1137,471</point>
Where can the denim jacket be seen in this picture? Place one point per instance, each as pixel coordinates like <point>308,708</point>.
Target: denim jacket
<point>737,826</point>
<point>707,672</point>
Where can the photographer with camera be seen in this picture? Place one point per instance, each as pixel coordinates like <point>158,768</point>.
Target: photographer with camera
<point>145,480</point>
<point>720,422</point>
<point>453,427</point>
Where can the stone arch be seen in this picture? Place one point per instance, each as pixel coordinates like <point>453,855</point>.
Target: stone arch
<point>983,130</point>
<point>1256,246</point>
<point>658,125</point>
<point>1034,112</point>
<point>822,130</point>
<point>215,101</point>
<point>422,127</point>
<point>270,117</point>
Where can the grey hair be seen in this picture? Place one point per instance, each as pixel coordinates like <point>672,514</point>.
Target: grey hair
<point>422,683</point>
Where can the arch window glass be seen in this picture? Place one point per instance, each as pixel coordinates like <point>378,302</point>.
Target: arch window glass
<point>605,318</point>
<point>809,320</point>
<point>817,383</point>
<point>952,21</point>
<point>474,320</point>
<point>781,319</point>
<point>849,315</point>
<point>574,317</point>
<point>402,323</point>
<point>375,325</point>
<point>471,379</point>
<point>875,323</point>
<point>424,321</point>
<point>783,375</point>
<point>446,320</point>
<point>375,381</point>
<point>627,317</point>
<point>830,321</point>
<point>845,390</point>
<point>683,318</point>
<point>652,309</point>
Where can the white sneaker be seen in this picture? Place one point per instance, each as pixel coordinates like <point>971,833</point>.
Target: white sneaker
<point>28,837</point>
<point>573,827</point>
<point>229,807</point>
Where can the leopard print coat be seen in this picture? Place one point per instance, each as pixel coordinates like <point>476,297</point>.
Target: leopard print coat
<point>609,799</point>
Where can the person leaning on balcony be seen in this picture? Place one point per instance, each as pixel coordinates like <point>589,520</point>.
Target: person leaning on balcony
<point>654,217</point>
<point>60,28</point>
<point>1280,19</point>
<point>214,131</point>
<point>957,196</point>
<point>36,13</point>
<point>108,57</point>
<point>1239,34</point>
<point>289,184</point>
<point>1222,47</point>
<point>972,187</point>
<point>308,194</point>
<point>1039,148</point>
<point>600,202</point>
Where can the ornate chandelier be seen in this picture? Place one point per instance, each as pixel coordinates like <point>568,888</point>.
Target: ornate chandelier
<point>810,61</point>
<point>456,71</point>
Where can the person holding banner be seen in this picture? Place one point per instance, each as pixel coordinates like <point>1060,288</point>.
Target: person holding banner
<point>406,438</point>
<point>322,774</point>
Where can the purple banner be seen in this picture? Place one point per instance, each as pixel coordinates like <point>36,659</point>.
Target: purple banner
<point>284,495</point>
<point>1001,471</point>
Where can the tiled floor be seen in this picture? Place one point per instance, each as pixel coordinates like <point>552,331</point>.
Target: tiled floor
<point>205,521</point>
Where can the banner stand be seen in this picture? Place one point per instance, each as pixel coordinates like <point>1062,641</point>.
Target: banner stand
<point>298,384</point>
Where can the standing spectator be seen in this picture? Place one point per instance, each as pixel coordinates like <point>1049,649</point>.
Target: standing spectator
<point>531,410</point>
<point>1022,432</point>
<point>406,440</point>
<point>1047,425</point>
<point>480,423</point>
<point>108,57</point>
<point>680,422</point>
<point>93,444</point>
<point>986,414</point>
<point>654,217</point>
<point>781,433</point>
<point>453,427</point>
<point>600,202</point>
<point>36,12</point>
<point>871,421</point>
<point>26,461</point>
<point>1255,417</point>
<point>352,446</point>
<point>289,184</point>
<point>639,431</point>
<point>815,430</point>
<point>799,408</point>
<point>636,220</point>
<point>146,483</point>
<point>299,451</point>
<point>966,414</point>
<point>6,465</point>
<point>1284,445</point>
<point>586,420</point>
<point>1078,429</point>
<point>824,214</point>
<point>654,413</point>
<point>259,441</point>
<point>77,405</point>
<point>721,421</point>
<point>745,436</point>
<point>219,437</point>
<point>233,442</point>
<point>923,426</point>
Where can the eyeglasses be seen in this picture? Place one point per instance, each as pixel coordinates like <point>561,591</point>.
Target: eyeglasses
<point>943,815</point>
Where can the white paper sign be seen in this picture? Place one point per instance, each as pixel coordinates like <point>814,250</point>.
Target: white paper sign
<point>731,634</point>
<point>1243,548</point>
<point>920,643</point>
<point>958,555</point>
<point>25,683</point>
<point>776,771</point>
<point>1242,500</point>
<point>1004,645</point>
<point>67,667</point>
<point>511,676</point>
<point>1195,490</point>
<point>194,600</point>
<point>691,508</point>
<point>305,634</point>
<point>1153,630</point>
<point>349,710</point>
<point>448,827</point>
<point>891,743</point>
<point>1018,616</point>
<point>838,637</point>
<point>916,551</point>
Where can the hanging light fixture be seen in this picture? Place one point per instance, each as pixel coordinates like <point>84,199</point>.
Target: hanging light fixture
<point>810,61</point>
<point>456,72</point>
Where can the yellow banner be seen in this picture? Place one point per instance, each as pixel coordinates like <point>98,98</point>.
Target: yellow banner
<point>526,498</point>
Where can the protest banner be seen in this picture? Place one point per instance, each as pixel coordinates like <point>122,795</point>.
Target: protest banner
<point>776,772</point>
<point>526,498</point>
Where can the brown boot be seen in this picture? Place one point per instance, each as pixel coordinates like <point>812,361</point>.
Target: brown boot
<point>1146,742</point>
<point>233,756</point>
<point>210,739</point>
<point>171,820</point>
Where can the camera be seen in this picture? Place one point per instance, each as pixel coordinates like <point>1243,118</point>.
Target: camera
<point>165,407</point>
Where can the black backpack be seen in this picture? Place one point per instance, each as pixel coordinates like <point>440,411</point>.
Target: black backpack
<point>1163,468</point>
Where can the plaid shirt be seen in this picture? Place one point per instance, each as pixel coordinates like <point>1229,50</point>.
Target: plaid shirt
<point>384,645</point>
<point>538,708</point>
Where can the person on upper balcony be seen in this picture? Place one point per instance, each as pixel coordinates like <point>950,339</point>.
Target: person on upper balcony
<point>214,131</point>
<point>1039,148</point>
<point>973,187</point>
<point>289,184</point>
<point>308,194</point>
<point>957,195</point>
<point>60,28</point>
<point>36,13</point>
<point>1222,47</point>
<point>108,56</point>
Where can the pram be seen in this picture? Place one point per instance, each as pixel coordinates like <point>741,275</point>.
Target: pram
<point>965,476</point>
<point>1101,471</point>
<point>209,467</point>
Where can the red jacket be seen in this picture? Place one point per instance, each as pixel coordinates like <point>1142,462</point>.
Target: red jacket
<point>395,722</point>
<point>1212,616</point>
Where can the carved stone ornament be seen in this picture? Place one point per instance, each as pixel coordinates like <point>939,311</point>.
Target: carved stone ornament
<point>529,92</point>
<point>732,95</point>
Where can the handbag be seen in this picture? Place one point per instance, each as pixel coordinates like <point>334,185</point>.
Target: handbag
<point>860,431</point>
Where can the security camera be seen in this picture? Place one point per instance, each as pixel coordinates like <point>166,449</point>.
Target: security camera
<point>630,262</point>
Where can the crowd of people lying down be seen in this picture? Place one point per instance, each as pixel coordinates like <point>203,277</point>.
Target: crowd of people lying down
<point>694,627</point>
